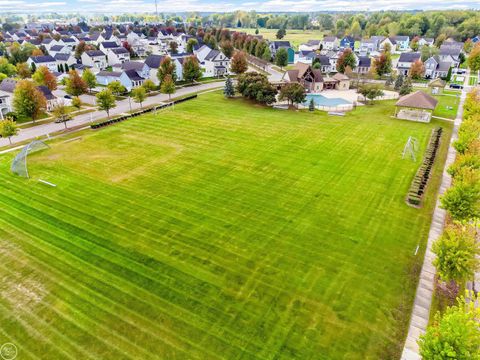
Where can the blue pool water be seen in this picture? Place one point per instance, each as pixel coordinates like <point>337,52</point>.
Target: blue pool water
<point>323,101</point>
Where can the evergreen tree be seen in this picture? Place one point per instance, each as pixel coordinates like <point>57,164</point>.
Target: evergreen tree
<point>228,90</point>
<point>399,82</point>
<point>406,87</point>
<point>311,105</point>
<point>281,58</point>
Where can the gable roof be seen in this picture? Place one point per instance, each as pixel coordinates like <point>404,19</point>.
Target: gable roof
<point>46,92</point>
<point>93,53</point>
<point>56,47</point>
<point>42,59</point>
<point>62,56</point>
<point>129,65</point>
<point>153,61</point>
<point>279,44</point>
<point>133,75</point>
<point>419,100</point>
<point>8,85</point>
<point>409,57</point>
<point>364,61</point>
<point>109,73</point>
<point>109,44</point>
<point>119,50</point>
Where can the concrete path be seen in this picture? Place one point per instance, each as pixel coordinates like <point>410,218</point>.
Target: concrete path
<point>423,297</point>
<point>123,106</point>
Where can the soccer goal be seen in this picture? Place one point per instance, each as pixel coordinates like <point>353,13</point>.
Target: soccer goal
<point>19,163</point>
<point>411,148</point>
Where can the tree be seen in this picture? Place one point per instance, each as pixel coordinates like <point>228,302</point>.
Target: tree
<point>281,57</point>
<point>468,46</point>
<point>383,65</point>
<point>456,252</point>
<point>449,74</point>
<point>76,102</point>
<point>148,85</point>
<point>173,47</point>
<point>37,52</point>
<point>355,29</point>
<point>23,70</point>
<point>28,100</point>
<point>239,62</point>
<point>267,55</point>
<point>7,68</point>
<point>75,85</point>
<point>406,87</point>
<point>89,79</point>
<point>311,105</point>
<point>293,92</point>
<point>61,114</point>
<point>116,88</point>
<point>191,43</point>
<point>106,101</point>
<point>370,91</point>
<point>8,128</point>
<point>228,90</point>
<point>454,335</point>
<point>281,33</point>
<point>168,86</point>
<point>347,58</point>
<point>80,49</point>
<point>227,48</point>
<point>255,86</point>
<point>417,70</point>
<point>139,95</point>
<point>43,76</point>
<point>191,69</point>
<point>462,200</point>
<point>474,59</point>
<point>167,67</point>
<point>414,43</point>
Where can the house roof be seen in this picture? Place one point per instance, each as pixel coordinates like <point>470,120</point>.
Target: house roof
<point>109,44</point>
<point>109,73</point>
<point>62,56</point>
<point>42,59</point>
<point>437,83</point>
<point>93,53</point>
<point>119,50</point>
<point>324,60</point>
<point>329,38</point>
<point>279,44</point>
<point>8,85</point>
<point>409,57</point>
<point>364,61</point>
<point>68,40</point>
<point>419,100</point>
<point>56,47</point>
<point>340,77</point>
<point>212,55</point>
<point>132,65</point>
<point>133,75</point>
<point>153,61</point>
<point>46,92</point>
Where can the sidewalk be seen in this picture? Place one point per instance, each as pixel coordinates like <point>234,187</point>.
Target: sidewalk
<point>423,297</point>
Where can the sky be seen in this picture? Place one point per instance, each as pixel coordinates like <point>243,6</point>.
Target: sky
<point>130,6</point>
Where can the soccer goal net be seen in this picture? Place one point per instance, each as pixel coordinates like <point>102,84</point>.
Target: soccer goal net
<point>19,163</point>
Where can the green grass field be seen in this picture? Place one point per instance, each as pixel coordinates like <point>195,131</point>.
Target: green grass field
<point>447,106</point>
<point>296,37</point>
<point>218,230</point>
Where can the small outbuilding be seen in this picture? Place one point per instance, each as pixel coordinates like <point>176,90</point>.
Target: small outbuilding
<point>417,106</point>
<point>436,86</point>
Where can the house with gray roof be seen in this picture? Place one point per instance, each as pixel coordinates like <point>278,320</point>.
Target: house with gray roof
<point>213,62</point>
<point>436,68</point>
<point>95,58</point>
<point>406,60</point>
<point>43,60</point>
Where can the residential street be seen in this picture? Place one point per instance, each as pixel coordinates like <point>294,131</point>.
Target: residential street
<point>122,107</point>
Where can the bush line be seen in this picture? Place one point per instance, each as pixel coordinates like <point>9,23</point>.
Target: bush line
<point>140,112</point>
<point>419,183</point>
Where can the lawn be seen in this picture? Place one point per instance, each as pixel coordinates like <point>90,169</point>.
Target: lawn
<point>473,80</point>
<point>218,230</point>
<point>296,37</point>
<point>447,106</point>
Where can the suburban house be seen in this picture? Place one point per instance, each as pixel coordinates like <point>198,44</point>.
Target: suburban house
<point>63,59</point>
<point>5,103</point>
<point>104,46</point>
<point>325,66</point>
<point>153,63</point>
<point>313,80</point>
<point>95,58</point>
<point>436,68</point>
<point>330,43</point>
<point>276,45</point>
<point>118,55</point>
<point>55,49</point>
<point>43,60</point>
<point>450,51</point>
<point>52,100</point>
<point>128,78</point>
<point>106,35</point>
<point>387,42</point>
<point>406,60</point>
<point>364,65</point>
<point>367,46</point>
<point>426,41</point>
<point>68,42</point>
<point>333,58</point>
<point>140,67</point>
<point>347,42</point>
<point>213,62</point>
<point>378,39</point>
<point>310,45</point>
<point>305,56</point>
<point>400,43</point>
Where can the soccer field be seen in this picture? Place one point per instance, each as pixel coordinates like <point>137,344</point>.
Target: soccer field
<point>218,230</point>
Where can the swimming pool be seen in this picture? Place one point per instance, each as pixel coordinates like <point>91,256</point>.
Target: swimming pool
<point>320,100</point>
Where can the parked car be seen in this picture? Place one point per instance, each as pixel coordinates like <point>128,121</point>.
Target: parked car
<point>67,97</point>
<point>456,86</point>
<point>461,71</point>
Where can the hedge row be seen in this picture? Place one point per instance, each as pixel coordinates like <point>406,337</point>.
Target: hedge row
<point>140,112</point>
<point>419,183</point>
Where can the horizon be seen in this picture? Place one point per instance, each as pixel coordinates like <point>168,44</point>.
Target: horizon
<point>226,6</point>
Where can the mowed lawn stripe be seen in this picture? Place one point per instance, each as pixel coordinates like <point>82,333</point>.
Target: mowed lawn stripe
<point>247,232</point>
